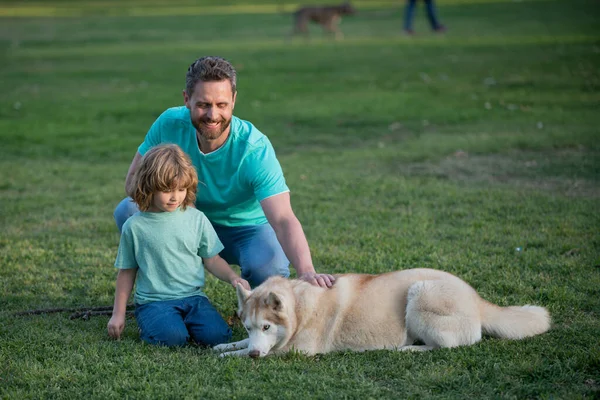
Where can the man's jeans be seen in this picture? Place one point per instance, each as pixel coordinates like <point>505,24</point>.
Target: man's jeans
<point>174,322</point>
<point>254,248</point>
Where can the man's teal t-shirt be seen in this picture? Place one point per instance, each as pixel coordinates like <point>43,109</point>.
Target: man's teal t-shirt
<point>233,179</point>
<point>167,248</point>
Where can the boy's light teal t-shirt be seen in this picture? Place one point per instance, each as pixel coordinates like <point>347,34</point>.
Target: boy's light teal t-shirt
<point>233,179</point>
<point>167,248</point>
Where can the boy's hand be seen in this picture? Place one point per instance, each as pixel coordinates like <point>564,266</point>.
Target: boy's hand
<point>241,281</point>
<point>115,326</point>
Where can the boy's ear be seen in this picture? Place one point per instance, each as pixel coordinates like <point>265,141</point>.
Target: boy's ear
<point>242,295</point>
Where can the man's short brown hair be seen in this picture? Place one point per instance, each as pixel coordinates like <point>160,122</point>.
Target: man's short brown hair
<point>210,69</point>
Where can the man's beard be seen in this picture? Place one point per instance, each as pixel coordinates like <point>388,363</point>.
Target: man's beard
<point>211,134</point>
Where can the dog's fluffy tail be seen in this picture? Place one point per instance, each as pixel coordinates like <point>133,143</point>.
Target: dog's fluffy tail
<point>513,322</point>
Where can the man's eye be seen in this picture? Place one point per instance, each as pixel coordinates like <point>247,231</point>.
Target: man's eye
<point>266,327</point>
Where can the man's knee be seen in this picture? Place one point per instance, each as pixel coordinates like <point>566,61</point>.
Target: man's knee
<point>258,270</point>
<point>263,256</point>
<point>125,209</point>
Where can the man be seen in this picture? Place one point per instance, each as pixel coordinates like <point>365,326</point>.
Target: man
<point>241,186</point>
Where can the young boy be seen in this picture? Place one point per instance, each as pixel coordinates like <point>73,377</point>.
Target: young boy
<point>165,247</point>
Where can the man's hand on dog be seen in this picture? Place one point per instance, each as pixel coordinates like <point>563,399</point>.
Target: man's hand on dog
<point>323,280</point>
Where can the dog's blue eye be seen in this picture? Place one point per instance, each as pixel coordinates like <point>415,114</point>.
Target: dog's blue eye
<point>266,327</point>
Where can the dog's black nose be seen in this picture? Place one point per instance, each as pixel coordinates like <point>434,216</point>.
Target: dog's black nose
<point>254,353</point>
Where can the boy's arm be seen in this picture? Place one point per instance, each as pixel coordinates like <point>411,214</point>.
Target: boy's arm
<point>125,281</point>
<point>221,269</point>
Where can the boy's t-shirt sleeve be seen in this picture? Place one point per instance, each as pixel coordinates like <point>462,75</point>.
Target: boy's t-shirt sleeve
<point>209,244</point>
<point>126,253</point>
<point>264,172</point>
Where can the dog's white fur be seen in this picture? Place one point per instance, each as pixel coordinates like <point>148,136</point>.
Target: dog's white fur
<point>367,312</point>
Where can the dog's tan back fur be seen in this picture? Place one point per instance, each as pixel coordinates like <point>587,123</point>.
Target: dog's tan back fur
<point>328,17</point>
<point>334,313</point>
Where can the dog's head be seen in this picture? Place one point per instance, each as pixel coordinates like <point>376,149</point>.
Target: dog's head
<point>266,313</point>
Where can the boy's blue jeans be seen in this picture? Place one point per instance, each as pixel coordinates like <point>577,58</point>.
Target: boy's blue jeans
<point>174,322</point>
<point>254,248</point>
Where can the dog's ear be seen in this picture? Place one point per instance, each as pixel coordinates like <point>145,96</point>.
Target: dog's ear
<point>242,295</point>
<point>274,301</point>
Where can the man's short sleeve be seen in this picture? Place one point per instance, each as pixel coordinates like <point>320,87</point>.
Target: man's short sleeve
<point>153,137</point>
<point>209,244</point>
<point>264,173</point>
<point>126,253</point>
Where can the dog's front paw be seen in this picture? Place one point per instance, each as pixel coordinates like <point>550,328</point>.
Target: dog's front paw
<point>234,353</point>
<point>220,347</point>
<point>224,347</point>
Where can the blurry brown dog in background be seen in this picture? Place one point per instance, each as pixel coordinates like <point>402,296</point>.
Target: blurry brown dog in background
<point>328,17</point>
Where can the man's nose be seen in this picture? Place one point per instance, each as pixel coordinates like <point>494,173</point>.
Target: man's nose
<point>211,113</point>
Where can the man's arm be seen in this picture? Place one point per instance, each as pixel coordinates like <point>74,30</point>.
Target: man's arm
<point>279,213</point>
<point>132,168</point>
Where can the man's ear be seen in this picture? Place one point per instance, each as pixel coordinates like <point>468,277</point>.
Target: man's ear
<point>242,295</point>
<point>274,302</point>
<point>186,99</point>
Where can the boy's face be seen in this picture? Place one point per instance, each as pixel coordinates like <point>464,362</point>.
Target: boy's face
<point>167,201</point>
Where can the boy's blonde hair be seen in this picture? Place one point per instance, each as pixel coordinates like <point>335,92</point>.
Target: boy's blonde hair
<point>164,168</point>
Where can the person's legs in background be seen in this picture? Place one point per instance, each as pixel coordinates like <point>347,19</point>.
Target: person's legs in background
<point>432,16</point>
<point>409,13</point>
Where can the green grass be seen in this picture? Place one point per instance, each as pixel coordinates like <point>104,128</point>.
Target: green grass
<point>446,152</point>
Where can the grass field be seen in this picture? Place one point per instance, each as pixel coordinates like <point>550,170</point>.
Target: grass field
<point>476,152</point>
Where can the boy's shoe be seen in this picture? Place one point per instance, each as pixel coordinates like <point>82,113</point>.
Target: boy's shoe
<point>440,29</point>
<point>409,32</point>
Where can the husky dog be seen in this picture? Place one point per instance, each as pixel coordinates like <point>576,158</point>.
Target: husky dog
<point>328,17</point>
<point>368,312</point>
